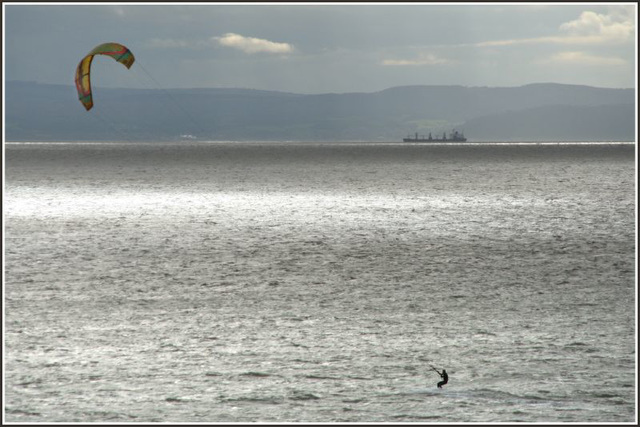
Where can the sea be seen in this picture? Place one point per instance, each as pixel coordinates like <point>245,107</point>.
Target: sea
<point>298,282</point>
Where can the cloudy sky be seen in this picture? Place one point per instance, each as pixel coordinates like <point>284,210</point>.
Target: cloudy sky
<point>317,48</point>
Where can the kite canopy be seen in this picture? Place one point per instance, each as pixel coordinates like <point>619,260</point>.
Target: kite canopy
<point>83,73</point>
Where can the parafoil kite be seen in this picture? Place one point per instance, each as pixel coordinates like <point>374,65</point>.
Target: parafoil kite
<point>83,73</point>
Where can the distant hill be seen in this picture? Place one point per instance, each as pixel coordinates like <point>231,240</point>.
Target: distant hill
<point>557,122</point>
<point>42,112</point>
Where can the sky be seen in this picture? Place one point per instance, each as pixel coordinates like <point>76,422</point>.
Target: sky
<point>325,47</point>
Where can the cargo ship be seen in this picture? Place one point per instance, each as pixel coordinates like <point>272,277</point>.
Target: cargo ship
<point>454,136</point>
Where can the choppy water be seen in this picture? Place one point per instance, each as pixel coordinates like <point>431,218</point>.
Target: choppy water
<point>290,282</point>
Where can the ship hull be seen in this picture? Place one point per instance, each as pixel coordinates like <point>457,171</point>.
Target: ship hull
<point>434,140</point>
<point>454,136</point>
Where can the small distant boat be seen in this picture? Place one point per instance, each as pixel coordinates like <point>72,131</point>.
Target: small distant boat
<point>454,136</point>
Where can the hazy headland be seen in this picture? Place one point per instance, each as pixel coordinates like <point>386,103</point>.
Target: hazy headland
<point>535,112</point>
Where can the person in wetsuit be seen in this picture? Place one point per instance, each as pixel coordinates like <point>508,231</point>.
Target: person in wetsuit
<point>444,376</point>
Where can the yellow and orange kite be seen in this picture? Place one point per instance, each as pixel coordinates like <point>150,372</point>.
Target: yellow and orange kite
<point>83,73</point>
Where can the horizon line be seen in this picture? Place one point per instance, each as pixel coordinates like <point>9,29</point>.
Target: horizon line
<point>325,93</point>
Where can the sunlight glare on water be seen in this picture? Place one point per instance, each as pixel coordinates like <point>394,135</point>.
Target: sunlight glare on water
<point>318,283</point>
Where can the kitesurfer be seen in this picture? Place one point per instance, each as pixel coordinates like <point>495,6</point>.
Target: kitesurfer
<point>443,375</point>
